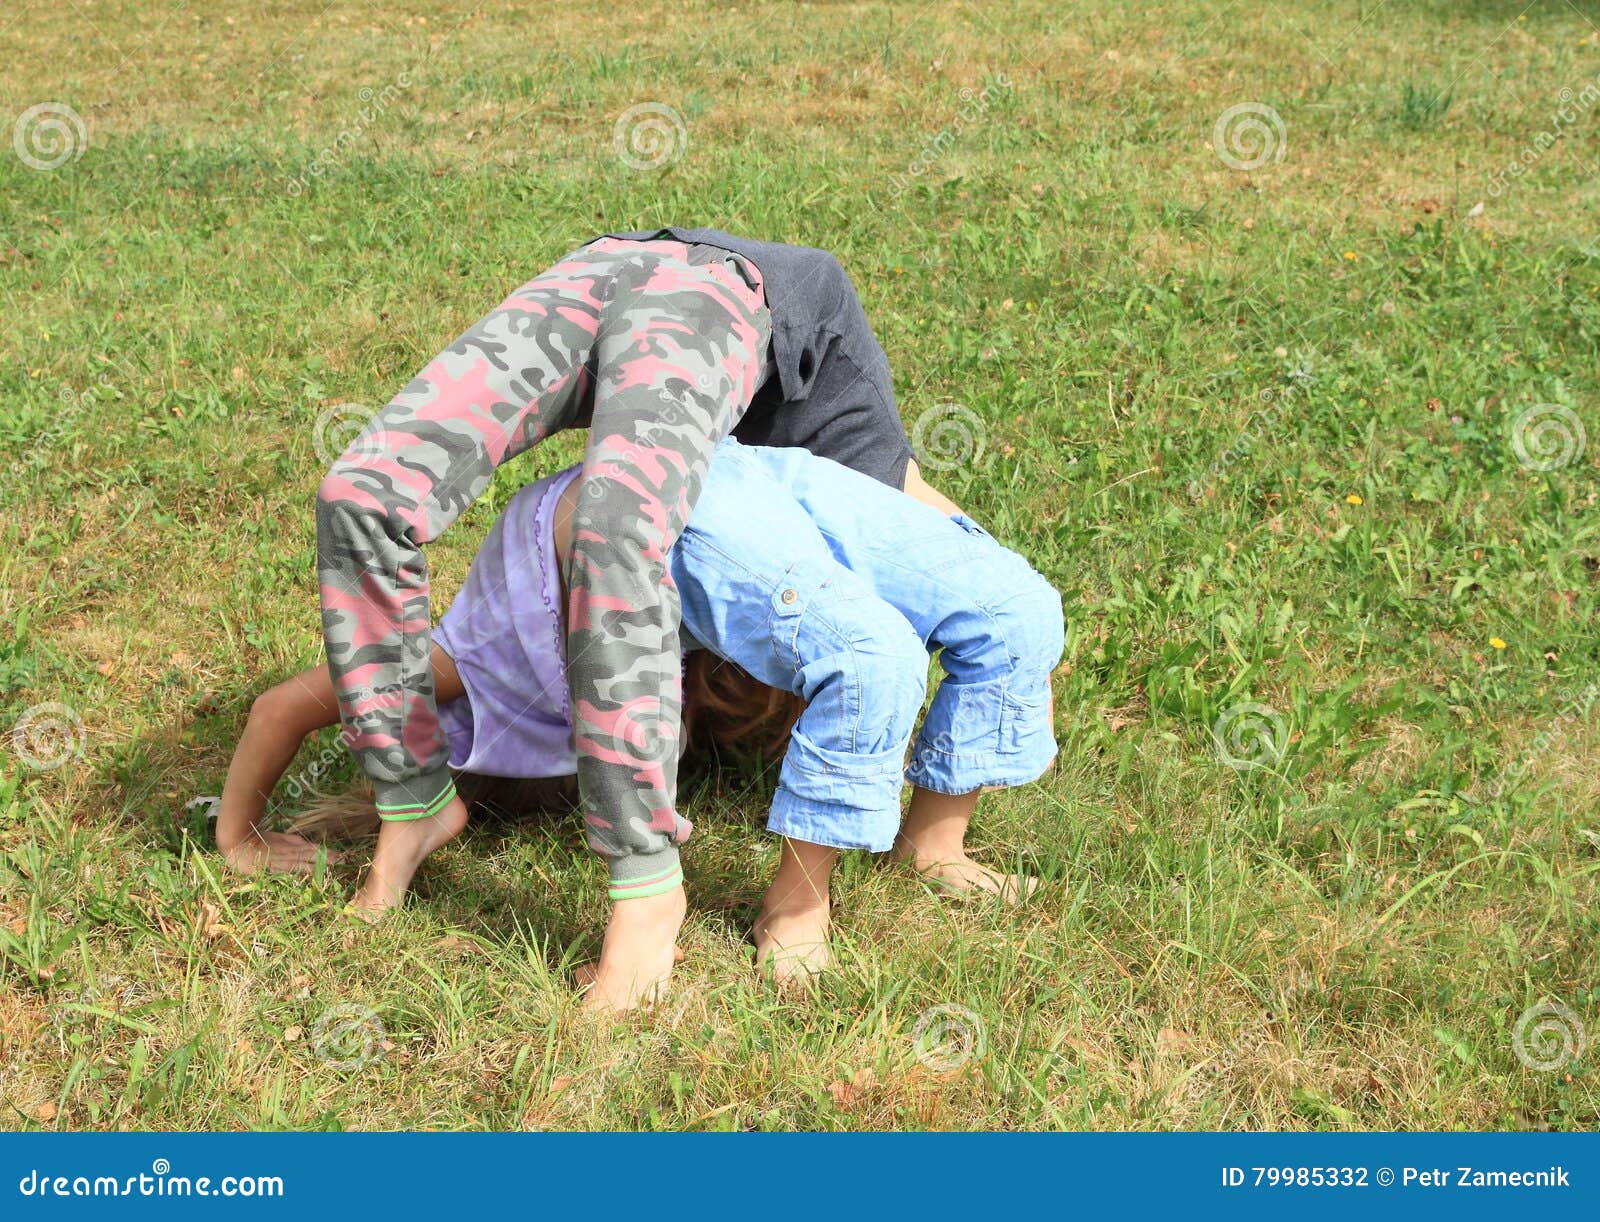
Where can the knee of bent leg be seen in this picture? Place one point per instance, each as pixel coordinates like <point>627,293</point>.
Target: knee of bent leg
<point>610,519</point>
<point>891,675</point>
<point>335,491</point>
<point>345,504</point>
<point>1031,622</point>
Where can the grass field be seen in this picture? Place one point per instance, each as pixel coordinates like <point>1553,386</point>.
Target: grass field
<point>1289,401</point>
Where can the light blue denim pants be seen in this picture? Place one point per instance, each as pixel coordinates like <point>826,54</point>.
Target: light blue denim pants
<point>823,582</point>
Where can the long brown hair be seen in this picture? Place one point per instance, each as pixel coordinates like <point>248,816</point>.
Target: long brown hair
<point>724,709</point>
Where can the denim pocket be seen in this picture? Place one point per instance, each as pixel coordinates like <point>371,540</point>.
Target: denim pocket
<point>1024,717</point>
<point>798,589</point>
<point>791,597</point>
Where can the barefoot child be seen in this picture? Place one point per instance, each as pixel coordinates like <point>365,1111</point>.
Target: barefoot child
<point>659,343</point>
<point>812,578</point>
<point>820,582</point>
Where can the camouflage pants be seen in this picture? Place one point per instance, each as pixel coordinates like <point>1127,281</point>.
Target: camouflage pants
<point>658,347</point>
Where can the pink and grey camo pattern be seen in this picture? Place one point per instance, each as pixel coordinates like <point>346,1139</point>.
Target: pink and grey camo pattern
<point>658,347</point>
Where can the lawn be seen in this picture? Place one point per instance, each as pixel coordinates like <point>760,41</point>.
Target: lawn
<point>1268,332</point>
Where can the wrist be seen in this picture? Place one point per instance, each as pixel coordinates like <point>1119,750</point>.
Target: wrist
<point>245,855</point>
<point>230,838</point>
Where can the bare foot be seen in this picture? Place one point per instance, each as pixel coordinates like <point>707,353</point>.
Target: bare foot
<point>402,846</point>
<point>958,874</point>
<point>792,931</point>
<point>792,942</point>
<point>637,955</point>
<point>933,840</point>
<point>584,973</point>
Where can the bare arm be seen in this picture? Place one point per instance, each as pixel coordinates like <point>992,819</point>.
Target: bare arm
<point>280,720</point>
<point>919,489</point>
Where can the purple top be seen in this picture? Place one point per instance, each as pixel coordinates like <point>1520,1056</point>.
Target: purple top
<point>504,633</point>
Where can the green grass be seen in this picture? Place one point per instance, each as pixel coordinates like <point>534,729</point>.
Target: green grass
<point>1257,425</point>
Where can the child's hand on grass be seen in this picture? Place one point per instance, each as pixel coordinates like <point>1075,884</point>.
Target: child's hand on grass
<point>278,852</point>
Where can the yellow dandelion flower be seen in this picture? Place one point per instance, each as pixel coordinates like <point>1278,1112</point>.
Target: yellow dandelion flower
<point>1496,643</point>
<point>1353,499</point>
<point>1350,255</point>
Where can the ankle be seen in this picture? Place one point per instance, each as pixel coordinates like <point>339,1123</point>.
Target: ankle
<point>651,911</point>
<point>795,902</point>
<point>926,852</point>
<point>800,887</point>
<point>794,893</point>
<point>640,928</point>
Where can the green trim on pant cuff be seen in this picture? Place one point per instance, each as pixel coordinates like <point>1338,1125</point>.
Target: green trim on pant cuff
<point>412,810</point>
<point>645,887</point>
